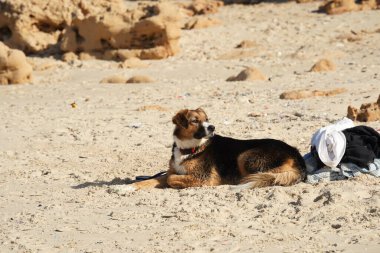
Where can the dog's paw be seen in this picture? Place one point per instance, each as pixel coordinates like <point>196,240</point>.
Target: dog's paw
<point>122,189</point>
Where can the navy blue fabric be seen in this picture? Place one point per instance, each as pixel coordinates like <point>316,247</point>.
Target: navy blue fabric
<point>362,145</point>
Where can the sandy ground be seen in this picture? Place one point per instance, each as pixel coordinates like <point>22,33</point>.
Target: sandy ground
<point>61,167</point>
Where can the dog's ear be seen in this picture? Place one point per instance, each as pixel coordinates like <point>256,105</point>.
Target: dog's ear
<point>200,110</point>
<point>180,119</point>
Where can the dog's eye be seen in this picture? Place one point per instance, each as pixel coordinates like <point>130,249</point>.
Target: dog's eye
<point>195,121</point>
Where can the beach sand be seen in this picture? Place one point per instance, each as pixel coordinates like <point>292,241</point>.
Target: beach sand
<point>69,144</point>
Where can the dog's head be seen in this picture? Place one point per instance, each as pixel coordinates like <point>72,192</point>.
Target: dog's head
<point>192,128</point>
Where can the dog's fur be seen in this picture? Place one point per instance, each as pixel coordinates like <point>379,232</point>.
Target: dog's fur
<point>200,158</point>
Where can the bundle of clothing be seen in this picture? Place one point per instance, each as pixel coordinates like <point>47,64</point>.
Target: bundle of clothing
<point>342,151</point>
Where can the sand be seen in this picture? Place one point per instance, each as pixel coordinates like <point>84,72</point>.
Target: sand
<point>64,168</point>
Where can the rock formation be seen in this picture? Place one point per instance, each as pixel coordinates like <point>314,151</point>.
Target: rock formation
<point>323,66</point>
<point>340,6</point>
<point>300,94</point>
<point>249,74</point>
<point>14,68</point>
<point>94,28</point>
<point>367,112</point>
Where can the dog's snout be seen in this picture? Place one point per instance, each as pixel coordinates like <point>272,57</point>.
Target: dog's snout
<point>211,128</point>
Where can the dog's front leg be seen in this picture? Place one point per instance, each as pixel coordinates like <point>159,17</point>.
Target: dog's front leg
<point>183,181</point>
<point>158,182</point>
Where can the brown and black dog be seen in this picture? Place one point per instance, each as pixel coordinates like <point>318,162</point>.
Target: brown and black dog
<point>201,158</point>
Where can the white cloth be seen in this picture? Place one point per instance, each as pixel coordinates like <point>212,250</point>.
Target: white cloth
<point>330,142</point>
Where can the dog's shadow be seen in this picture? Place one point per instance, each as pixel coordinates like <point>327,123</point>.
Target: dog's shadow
<point>115,181</point>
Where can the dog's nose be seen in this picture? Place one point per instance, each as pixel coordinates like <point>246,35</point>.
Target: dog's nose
<point>211,128</point>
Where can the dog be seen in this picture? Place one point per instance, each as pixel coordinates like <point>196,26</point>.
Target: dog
<point>202,158</point>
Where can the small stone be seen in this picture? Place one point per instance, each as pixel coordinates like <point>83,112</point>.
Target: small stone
<point>323,66</point>
<point>140,79</point>
<point>135,125</point>
<point>249,74</point>
<point>133,62</point>
<point>336,226</point>
<point>254,114</point>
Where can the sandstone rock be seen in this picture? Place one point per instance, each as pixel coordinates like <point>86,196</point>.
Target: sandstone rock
<point>69,57</point>
<point>133,62</point>
<point>201,7</point>
<point>340,6</point>
<point>14,68</point>
<point>91,27</point>
<point>201,22</point>
<point>148,32</point>
<point>242,1</point>
<point>300,94</point>
<point>323,65</point>
<point>305,1</point>
<point>114,79</point>
<point>140,79</point>
<point>35,26</point>
<point>367,112</point>
<point>83,56</point>
<point>249,74</point>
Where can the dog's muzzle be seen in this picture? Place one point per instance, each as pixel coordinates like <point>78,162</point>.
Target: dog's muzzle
<point>209,129</point>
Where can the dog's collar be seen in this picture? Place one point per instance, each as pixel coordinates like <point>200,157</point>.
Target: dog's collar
<point>193,151</point>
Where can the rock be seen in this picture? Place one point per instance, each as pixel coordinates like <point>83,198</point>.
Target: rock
<point>254,114</point>
<point>83,56</point>
<point>201,7</point>
<point>332,7</point>
<point>305,1</point>
<point>122,79</point>
<point>367,112</point>
<point>323,65</point>
<point>35,26</point>
<point>249,74</point>
<point>300,94</point>
<point>336,226</point>
<point>69,57</point>
<point>247,44</point>
<point>14,67</point>
<point>133,62</point>
<point>135,125</point>
<point>201,22</point>
<point>242,1</point>
<point>148,32</point>
<point>114,79</point>
<point>140,79</point>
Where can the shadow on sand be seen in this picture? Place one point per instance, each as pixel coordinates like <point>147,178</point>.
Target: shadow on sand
<point>115,181</point>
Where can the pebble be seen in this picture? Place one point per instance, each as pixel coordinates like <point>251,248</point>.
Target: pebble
<point>135,125</point>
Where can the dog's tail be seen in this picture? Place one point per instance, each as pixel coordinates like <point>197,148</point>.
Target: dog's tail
<point>285,175</point>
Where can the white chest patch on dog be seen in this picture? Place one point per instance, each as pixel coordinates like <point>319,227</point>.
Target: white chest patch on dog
<point>178,159</point>
<point>184,144</point>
